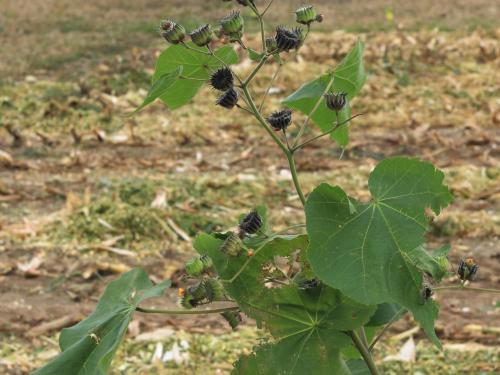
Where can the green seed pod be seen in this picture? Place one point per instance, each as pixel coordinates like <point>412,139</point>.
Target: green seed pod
<point>232,245</point>
<point>197,292</point>
<point>336,101</point>
<point>214,290</point>
<point>172,32</point>
<point>195,267</point>
<point>232,23</point>
<point>271,44</point>
<point>207,262</point>
<point>233,318</point>
<point>202,35</point>
<point>188,301</point>
<point>306,15</point>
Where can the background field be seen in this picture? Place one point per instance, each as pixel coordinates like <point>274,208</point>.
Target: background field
<point>77,178</point>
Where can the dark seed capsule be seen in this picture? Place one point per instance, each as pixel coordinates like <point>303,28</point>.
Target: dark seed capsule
<point>233,318</point>
<point>232,245</point>
<point>280,120</point>
<point>425,294</point>
<point>467,269</point>
<point>228,99</point>
<point>309,284</point>
<point>222,79</point>
<point>214,290</point>
<point>196,291</point>
<point>172,32</point>
<point>202,36</point>
<point>271,44</point>
<point>251,223</point>
<point>336,101</point>
<point>287,39</point>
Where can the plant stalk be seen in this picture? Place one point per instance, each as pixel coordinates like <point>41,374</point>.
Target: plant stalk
<point>186,312</point>
<point>467,288</point>
<point>363,350</point>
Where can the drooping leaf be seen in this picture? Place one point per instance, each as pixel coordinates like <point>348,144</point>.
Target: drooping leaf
<point>160,87</point>
<point>197,68</point>
<point>349,78</point>
<point>88,347</point>
<point>366,253</point>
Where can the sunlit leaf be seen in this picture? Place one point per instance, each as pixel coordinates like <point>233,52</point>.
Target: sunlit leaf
<point>367,253</point>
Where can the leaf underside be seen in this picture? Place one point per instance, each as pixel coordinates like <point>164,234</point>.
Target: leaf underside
<point>350,77</point>
<point>370,254</point>
<point>89,346</point>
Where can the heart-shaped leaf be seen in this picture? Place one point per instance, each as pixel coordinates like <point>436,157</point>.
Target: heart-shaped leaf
<point>367,250</point>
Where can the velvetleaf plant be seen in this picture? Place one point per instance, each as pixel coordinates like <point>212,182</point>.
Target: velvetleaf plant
<point>357,268</point>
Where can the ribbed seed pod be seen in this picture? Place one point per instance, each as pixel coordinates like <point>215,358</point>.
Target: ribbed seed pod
<point>222,79</point>
<point>228,99</point>
<point>287,39</point>
<point>172,32</point>
<point>280,120</point>
<point>232,23</point>
<point>202,35</point>
<point>207,262</point>
<point>232,246</point>
<point>197,291</point>
<point>336,101</point>
<point>187,301</point>
<point>233,318</point>
<point>195,267</point>
<point>251,223</point>
<point>306,15</point>
<point>467,269</point>
<point>214,290</point>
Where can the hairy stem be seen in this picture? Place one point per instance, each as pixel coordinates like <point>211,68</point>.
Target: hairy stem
<point>186,312</point>
<point>310,140</point>
<point>295,177</point>
<point>386,328</point>
<point>261,23</point>
<point>467,288</point>
<point>254,72</point>
<point>363,350</point>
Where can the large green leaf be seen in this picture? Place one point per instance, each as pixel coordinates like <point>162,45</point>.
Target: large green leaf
<point>197,68</point>
<point>160,87</point>
<point>349,77</point>
<point>367,250</point>
<point>88,347</point>
<point>307,324</point>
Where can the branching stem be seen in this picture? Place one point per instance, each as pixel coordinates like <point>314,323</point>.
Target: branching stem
<point>386,328</point>
<point>365,353</point>
<point>186,312</point>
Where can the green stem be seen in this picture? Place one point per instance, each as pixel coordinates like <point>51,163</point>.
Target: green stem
<point>467,288</point>
<point>386,328</point>
<point>267,8</point>
<point>256,70</point>
<point>363,350</point>
<point>261,23</point>
<point>295,177</point>
<point>266,93</point>
<point>316,106</point>
<point>362,336</point>
<point>185,312</point>
<point>310,140</point>
<point>212,53</point>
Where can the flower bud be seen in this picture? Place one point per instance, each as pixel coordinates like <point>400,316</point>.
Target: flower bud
<point>251,223</point>
<point>202,35</point>
<point>336,101</point>
<point>228,99</point>
<point>194,267</point>
<point>467,269</point>
<point>214,290</point>
<point>233,318</point>
<point>287,39</point>
<point>232,245</point>
<point>280,120</point>
<point>222,79</point>
<point>172,32</point>
<point>232,23</point>
<point>306,15</point>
